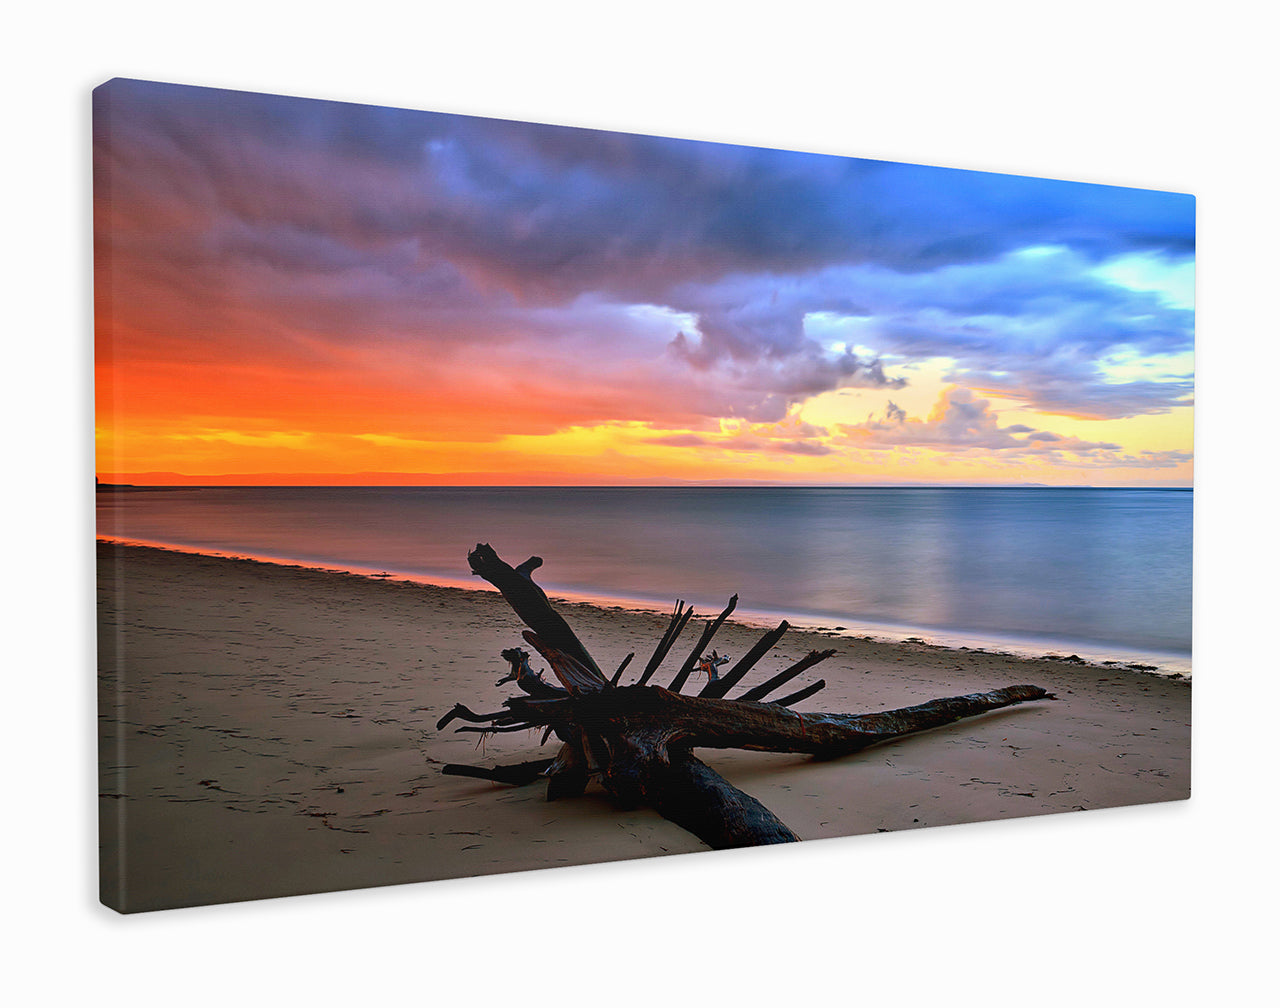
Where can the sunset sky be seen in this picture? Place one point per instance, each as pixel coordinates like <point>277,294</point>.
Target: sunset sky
<point>302,291</point>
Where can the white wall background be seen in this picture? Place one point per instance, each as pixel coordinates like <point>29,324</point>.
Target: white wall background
<point>1158,905</point>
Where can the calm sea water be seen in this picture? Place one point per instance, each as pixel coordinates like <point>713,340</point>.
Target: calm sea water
<point>1101,568</point>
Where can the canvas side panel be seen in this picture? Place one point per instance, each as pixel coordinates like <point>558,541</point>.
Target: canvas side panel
<point>112,783</point>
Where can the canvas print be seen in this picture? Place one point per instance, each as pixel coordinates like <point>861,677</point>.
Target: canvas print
<point>477,496</point>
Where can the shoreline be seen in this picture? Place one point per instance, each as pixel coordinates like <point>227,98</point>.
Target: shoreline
<point>1106,656</point>
<point>271,731</point>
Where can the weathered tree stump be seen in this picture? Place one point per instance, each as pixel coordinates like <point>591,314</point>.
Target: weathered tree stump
<point>639,739</point>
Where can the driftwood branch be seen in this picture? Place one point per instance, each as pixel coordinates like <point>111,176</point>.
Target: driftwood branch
<point>678,620</point>
<point>519,773</point>
<point>719,687</point>
<point>617,676</point>
<point>791,699</point>
<point>529,601</point>
<point>695,655</point>
<point>523,675</point>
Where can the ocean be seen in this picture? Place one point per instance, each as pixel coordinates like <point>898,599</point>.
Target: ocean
<point>1102,573</point>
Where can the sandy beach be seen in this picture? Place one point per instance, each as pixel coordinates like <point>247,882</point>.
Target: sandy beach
<point>270,730</point>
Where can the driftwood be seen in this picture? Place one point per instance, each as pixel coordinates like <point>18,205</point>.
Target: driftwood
<point>639,738</point>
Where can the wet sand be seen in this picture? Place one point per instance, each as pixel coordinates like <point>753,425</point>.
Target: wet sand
<point>270,730</point>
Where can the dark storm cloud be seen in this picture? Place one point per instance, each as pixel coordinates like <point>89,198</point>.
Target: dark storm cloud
<point>1040,325</point>
<point>560,209</point>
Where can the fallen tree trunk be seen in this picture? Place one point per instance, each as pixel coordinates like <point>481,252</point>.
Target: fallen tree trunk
<point>639,739</point>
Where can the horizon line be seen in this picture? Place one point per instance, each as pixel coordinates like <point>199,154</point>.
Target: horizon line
<point>689,485</point>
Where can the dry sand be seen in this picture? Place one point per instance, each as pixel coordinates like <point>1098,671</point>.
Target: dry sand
<point>270,730</point>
